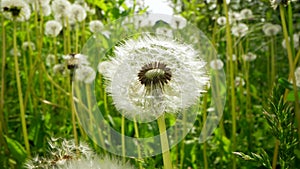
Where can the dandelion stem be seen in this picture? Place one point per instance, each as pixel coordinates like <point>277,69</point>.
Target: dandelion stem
<point>232,90</point>
<point>291,66</point>
<point>164,142</point>
<point>136,130</point>
<point>22,111</point>
<point>3,127</point>
<point>123,139</point>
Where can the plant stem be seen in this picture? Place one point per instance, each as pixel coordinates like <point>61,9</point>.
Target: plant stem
<point>136,130</point>
<point>123,139</point>
<point>164,142</point>
<point>291,66</point>
<point>22,110</point>
<point>232,90</point>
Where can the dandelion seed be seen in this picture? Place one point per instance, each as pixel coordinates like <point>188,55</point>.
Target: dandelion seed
<point>271,29</point>
<point>96,26</point>
<point>239,30</point>
<point>27,45</point>
<point>216,64</point>
<point>52,28</point>
<point>15,10</point>
<point>161,76</point>
<point>249,57</point>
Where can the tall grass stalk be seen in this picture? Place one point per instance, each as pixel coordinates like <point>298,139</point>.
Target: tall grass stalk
<point>136,130</point>
<point>232,89</point>
<point>164,142</point>
<point>3,127</point>
<point>20,94</point>
<point>291,66</point>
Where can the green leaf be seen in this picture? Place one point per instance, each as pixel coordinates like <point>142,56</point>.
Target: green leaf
<point>291,96</point>
<point>16,149</point>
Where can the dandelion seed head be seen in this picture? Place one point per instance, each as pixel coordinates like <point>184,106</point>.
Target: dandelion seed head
<point>15,10</point>
<point>239,30</point>
<point>96,26</point>
<point>216,64</point>
<point>246,13</point>
<point>77,13</point>
<point>238,81</point>
<point>163,31</point>
<point>50,60</point>
<point>161,76</point>
<point>221,20</point>
<point>296,41</point>
<point>85,74</point>
<point>61,8</point>
<point>52,28</point>
<point>249,57</point>
<point>76,60</point>
<point>271,29</point>
<point>27,45</point>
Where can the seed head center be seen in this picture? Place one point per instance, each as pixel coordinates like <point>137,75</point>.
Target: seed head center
<point>155,74</point>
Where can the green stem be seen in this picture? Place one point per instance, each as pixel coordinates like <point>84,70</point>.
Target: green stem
<point>164,142</point>
<point>292,69</point>
<point>123,139</point>
<point>136,130</point>
<point>204,108</point>
<point>273,69</point>
<point>73,111</point>
<point>232,90</point>
<point>22,110</point>
<point>3,127</point>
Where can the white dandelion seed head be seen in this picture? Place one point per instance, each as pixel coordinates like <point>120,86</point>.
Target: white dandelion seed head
<point>77,13</point>
<point>146,101</point>
<point>216,64</point>
<point>238,81</point>
<point>178,22</point>
<point>28,45</point>
<point>246,13</point>
<point>59,69</point>
<point>297,76</point>
<point>271,29</point>
<point>52,28</point>
<point>76,60</point>
<point>222,20</point>
<point>296,41</point>
<point>235,16</point>
<point>45,8</point>
<point>275,3</point>
<point>61,8</point>
<point>233,57</point>
<point>50,59</point>
<point>163,31</point>
<point>13,52</point>
<point>17,10</point>
<point>239,30</point>
<point>249,57</point>
<point>85,74</point>
<point>96,26</point>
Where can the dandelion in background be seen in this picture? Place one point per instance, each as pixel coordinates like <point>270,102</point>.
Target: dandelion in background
<point>239,30</point>
<point>271,29</point>
<point>296,41</point>
<point>249,57</point>
<point>221,20</point>
<point>60,8</point>
<point>76,60</point>
<point>178,22</point>
<point>77,13</point>
<point>235,16</point>
<point>153,75</point>
<point>60,69</point>
<point>238,81</point>
<point>52,28</point>
<point>233,57</point>
<point>275,3</point>
<point>164,31</point>
<point>16,10</point>
<point>85,74</point>
<point>216,64</point>
<point>50,59</point>
<point>246,13</point>
<point>17,51</point>
<point>27,45</point>
<point>297,76</point>
<point>95,26</point>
